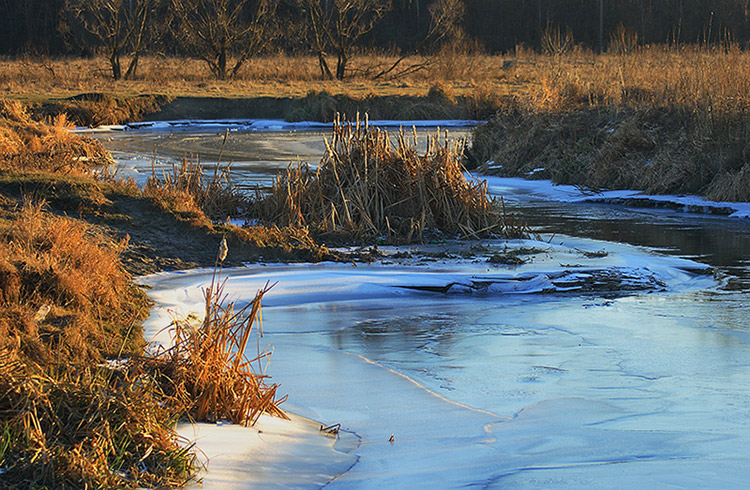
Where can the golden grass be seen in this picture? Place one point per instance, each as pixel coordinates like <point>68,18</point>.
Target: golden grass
<point>66,305</point>
<point>369,189</point>
<point>89,428</point>
<point>208,368</point>
<point>74,271</point>
<point>650,75</point>
<point>26,144</point>
<point>68,419</point>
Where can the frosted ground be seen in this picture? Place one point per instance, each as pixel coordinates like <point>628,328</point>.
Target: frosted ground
<point>593,364</point>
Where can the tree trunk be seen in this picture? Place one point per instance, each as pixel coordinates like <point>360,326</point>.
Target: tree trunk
<point>341,66</point>
<point>116,69</point>
<point>222,64</point>
<point>325,72</point>
<point>132,67</point>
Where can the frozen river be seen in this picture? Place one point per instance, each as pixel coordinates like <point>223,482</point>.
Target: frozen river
<point>516,376</point>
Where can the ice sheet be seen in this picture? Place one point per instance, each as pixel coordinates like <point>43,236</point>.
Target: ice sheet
<point>502,389</point>
<point>270,125</point>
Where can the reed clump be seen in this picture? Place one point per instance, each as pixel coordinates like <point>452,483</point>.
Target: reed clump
<point>207,370</point>
<point>368,188</point>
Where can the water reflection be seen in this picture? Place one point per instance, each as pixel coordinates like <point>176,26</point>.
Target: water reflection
<point>718,241</point>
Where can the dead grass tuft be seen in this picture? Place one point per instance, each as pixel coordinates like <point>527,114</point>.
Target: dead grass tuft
<point>31,145</point>
<point>86,428</point>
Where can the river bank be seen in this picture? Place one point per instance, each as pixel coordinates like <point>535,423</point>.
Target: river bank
<point>81,401</point>
<point>482,455</point>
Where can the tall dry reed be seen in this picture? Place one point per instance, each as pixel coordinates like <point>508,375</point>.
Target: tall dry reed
<point>369,188</point>
<point>189,190</point>
<point>208,367</point>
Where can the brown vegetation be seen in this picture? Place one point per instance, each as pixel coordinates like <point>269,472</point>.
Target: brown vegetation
<point>73,272</point>
<point>657,120</point>
<point>73,412</point>
<point>31,145</point>
<point>207,368</point>
<point>66,305</point>
<point>370,189</point>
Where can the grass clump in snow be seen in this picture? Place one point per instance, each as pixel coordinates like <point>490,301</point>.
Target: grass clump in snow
<point>368,188</point>
<point>207,369</point>
<point>81,404</point>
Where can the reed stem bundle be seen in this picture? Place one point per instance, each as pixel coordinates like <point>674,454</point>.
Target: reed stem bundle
<point>370,188</point>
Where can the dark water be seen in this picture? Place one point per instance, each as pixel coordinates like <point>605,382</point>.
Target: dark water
<point>718,241</point>
<point>257,156</point>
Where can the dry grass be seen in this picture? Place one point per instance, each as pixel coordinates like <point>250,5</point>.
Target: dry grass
<point>188,191</point>
<point>657,150</point>
<point>369,189</point>
<point>654,119</point>
<point>90,428</point>
<point>31,145</point>
<point>69,268</point>
<point>650,75</point>
<point>69,421</point>
<point>207,368</point>
<point>67,307</point>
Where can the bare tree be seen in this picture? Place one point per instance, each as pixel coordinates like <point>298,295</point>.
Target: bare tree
<point>445,24</point>
<point>217,30</point>
<point>338,25</point>
<point>115,24</point>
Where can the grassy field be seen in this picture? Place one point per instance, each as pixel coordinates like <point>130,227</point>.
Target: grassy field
<point>646,76</point>
<point>654,118</point>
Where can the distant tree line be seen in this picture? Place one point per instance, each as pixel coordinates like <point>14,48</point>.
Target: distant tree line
<point>225,33</point>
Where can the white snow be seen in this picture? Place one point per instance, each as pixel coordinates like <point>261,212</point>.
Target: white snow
<point>260,456</point>
<point>546,190</point>
<point>458,418</point>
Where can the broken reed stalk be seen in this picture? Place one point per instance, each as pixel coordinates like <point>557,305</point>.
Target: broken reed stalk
<point>370,188</point>
<point>209,368</point>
